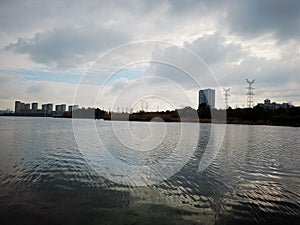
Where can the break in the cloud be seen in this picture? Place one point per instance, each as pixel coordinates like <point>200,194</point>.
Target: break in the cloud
<point>235,39</point>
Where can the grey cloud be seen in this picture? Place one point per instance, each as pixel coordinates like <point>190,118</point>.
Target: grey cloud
<point>21,16</point>
<point>213,49</point>
<point>255,18</point>
<point>190,66</point>
<point>63,48</point>
<point>246,18</point>
<point>118,85</point>
<point>276,73</point>
<point>179,65</point>
<point>65,34</point>
<point>230,63</point>
<point>249,19</point>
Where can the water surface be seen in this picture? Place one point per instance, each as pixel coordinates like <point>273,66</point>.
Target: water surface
<point>44,179</point>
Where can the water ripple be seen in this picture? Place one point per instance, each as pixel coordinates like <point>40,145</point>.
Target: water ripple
<point>255,179</point>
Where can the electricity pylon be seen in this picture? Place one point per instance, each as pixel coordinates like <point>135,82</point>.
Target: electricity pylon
<point>250,94</point>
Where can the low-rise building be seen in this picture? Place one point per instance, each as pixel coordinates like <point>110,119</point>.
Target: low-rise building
<point>273,105</point>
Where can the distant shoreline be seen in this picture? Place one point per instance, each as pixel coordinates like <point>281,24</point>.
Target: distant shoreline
<point>228,121</point>
<point>204,114</point>
<point>124,117</point>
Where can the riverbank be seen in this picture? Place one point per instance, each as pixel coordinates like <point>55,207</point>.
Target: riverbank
<point>250,116</point>
<point>159,117</point>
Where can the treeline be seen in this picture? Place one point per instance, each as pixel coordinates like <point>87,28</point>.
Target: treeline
<point>259,115</point>
<point>256,115</point>
<point>89,113</point>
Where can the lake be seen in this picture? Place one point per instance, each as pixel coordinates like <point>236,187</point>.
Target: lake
<point>55,171</point>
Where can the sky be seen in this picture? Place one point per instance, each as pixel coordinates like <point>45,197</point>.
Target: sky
<point>154,54</point>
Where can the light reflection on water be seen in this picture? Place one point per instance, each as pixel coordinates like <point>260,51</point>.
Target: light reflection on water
<point>44,179</point>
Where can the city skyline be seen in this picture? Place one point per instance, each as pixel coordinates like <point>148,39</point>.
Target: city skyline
<point>210,100</point>
<point>24,107</point>
<point>44,58</point>
<point>206,96</point>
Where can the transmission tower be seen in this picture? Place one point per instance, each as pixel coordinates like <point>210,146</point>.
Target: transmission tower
<point>226,95</point>
<point>147,105</point>
<point>250,94</point>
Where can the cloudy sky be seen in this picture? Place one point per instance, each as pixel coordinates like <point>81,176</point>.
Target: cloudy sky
<point>120,53</point>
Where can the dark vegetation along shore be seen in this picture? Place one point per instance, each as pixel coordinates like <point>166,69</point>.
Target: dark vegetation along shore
<point>255,116</point>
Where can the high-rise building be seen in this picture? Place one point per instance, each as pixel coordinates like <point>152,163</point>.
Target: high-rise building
<point>22,106</point>
<point>18,106</point>
<point>44,107</point>
<point>73,108</point>
<point>27,107</point>
<point>63,107</point>
<point>34,106</point>
<point>47,108</point>
<point>207,96</point>
<point>50,107</point>
<point>60,108</point>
